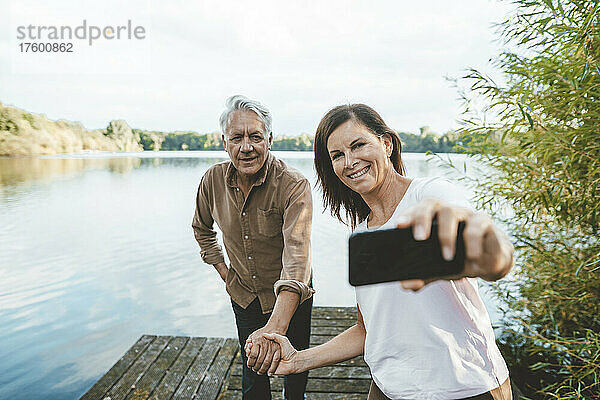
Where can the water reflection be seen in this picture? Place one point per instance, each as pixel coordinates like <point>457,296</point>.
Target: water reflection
<point>182,162</point>
<point>15,171</point>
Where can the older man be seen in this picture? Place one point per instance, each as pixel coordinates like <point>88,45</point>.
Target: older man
<point>264,210</point>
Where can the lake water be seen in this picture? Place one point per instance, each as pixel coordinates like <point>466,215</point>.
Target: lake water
<point>97,250</point>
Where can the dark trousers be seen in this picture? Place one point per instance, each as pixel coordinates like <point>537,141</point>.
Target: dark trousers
<point>257,387</point>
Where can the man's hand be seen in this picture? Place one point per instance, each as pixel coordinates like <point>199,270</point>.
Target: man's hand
<point>222,270</point>
<point>488,251</point>
<point>263,354</point>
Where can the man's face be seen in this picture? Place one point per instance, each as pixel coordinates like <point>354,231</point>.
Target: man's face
<point>246,142</point>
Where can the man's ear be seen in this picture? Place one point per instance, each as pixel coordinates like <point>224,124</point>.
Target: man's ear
<point>270,139</point>
<point>223,139</point>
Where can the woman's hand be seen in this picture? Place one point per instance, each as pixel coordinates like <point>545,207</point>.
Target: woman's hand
<point>262,353</point>
<point>288,363</point>
<point>488,252</point>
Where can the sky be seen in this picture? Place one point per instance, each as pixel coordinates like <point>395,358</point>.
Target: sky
<point>299,58</point>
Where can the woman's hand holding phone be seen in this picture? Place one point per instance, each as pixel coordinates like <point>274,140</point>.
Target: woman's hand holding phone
<point>488,251</point>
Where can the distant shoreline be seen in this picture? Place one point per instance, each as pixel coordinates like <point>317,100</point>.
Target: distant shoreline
<point>27,134</point>
<point>217,154</point>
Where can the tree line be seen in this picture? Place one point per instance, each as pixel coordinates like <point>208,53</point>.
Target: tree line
<point>423,142</point>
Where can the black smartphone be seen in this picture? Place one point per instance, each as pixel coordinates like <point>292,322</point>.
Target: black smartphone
<point>389,255</point>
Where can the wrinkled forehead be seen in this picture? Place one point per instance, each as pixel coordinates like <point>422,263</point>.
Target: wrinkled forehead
<point>346,133</point>
<point>244,122</point>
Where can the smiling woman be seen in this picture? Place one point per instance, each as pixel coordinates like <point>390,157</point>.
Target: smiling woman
<point>421,338</point>
<point>331,153</point>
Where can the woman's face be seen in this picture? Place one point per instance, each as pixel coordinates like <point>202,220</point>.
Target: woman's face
<point>359,158</point>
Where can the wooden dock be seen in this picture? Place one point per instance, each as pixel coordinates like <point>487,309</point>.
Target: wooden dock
<point>177,367</point>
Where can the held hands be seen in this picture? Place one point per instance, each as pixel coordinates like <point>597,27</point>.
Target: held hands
<point>288,362</point>
<point>488,251</point>
<point>263,354</point>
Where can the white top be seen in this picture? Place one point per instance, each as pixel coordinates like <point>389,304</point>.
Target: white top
<point>437,343</point>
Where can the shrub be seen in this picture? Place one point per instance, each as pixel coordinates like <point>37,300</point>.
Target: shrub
<point>545,148</point>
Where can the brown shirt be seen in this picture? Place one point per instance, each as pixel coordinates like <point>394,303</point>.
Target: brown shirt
<point>266,235</point>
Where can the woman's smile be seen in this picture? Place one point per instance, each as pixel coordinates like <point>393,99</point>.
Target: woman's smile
<point>360,172</point>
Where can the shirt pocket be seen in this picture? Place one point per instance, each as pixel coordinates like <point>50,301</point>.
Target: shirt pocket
<point>269,222</point>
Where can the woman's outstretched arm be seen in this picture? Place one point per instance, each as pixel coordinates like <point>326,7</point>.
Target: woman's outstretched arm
<point>346,345</point>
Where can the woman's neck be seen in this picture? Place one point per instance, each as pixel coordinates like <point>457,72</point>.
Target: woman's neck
<point>384,199</point>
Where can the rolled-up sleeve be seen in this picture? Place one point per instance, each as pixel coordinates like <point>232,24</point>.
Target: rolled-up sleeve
<point>297,222</point>
<point>203,223</point>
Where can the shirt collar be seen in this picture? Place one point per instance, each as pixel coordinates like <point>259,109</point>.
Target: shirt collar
<point>231,173</point>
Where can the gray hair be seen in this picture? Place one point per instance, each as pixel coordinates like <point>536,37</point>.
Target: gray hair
<point>239,102</point>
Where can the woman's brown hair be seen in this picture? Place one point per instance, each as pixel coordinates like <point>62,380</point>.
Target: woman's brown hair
<point>336,195</point>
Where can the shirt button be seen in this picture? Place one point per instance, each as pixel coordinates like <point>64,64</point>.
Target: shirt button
<point>249,257</point>
<point>244,213</point>
<point>238,189</point>
<point>253,276</point>
<point>245,236</point>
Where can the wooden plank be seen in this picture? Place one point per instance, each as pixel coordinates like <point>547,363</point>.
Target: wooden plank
<point>211,385</point>
<point>357,361</point>
<point>336,396</point>
<point>237,395</point>
<point>108,380</point>
<point>328,330</point>
<point>170,382</point>
<point>335,309</point>
<point>127,382</point>
<point>149,381</point>
<point>316,340</point>
<point>334,371</point>
<point>328,385</point>
<point>334,313</point>
<point>341,372</point>
<point>338,385</point>
<point>333,322</point>
<point>196,373</point>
